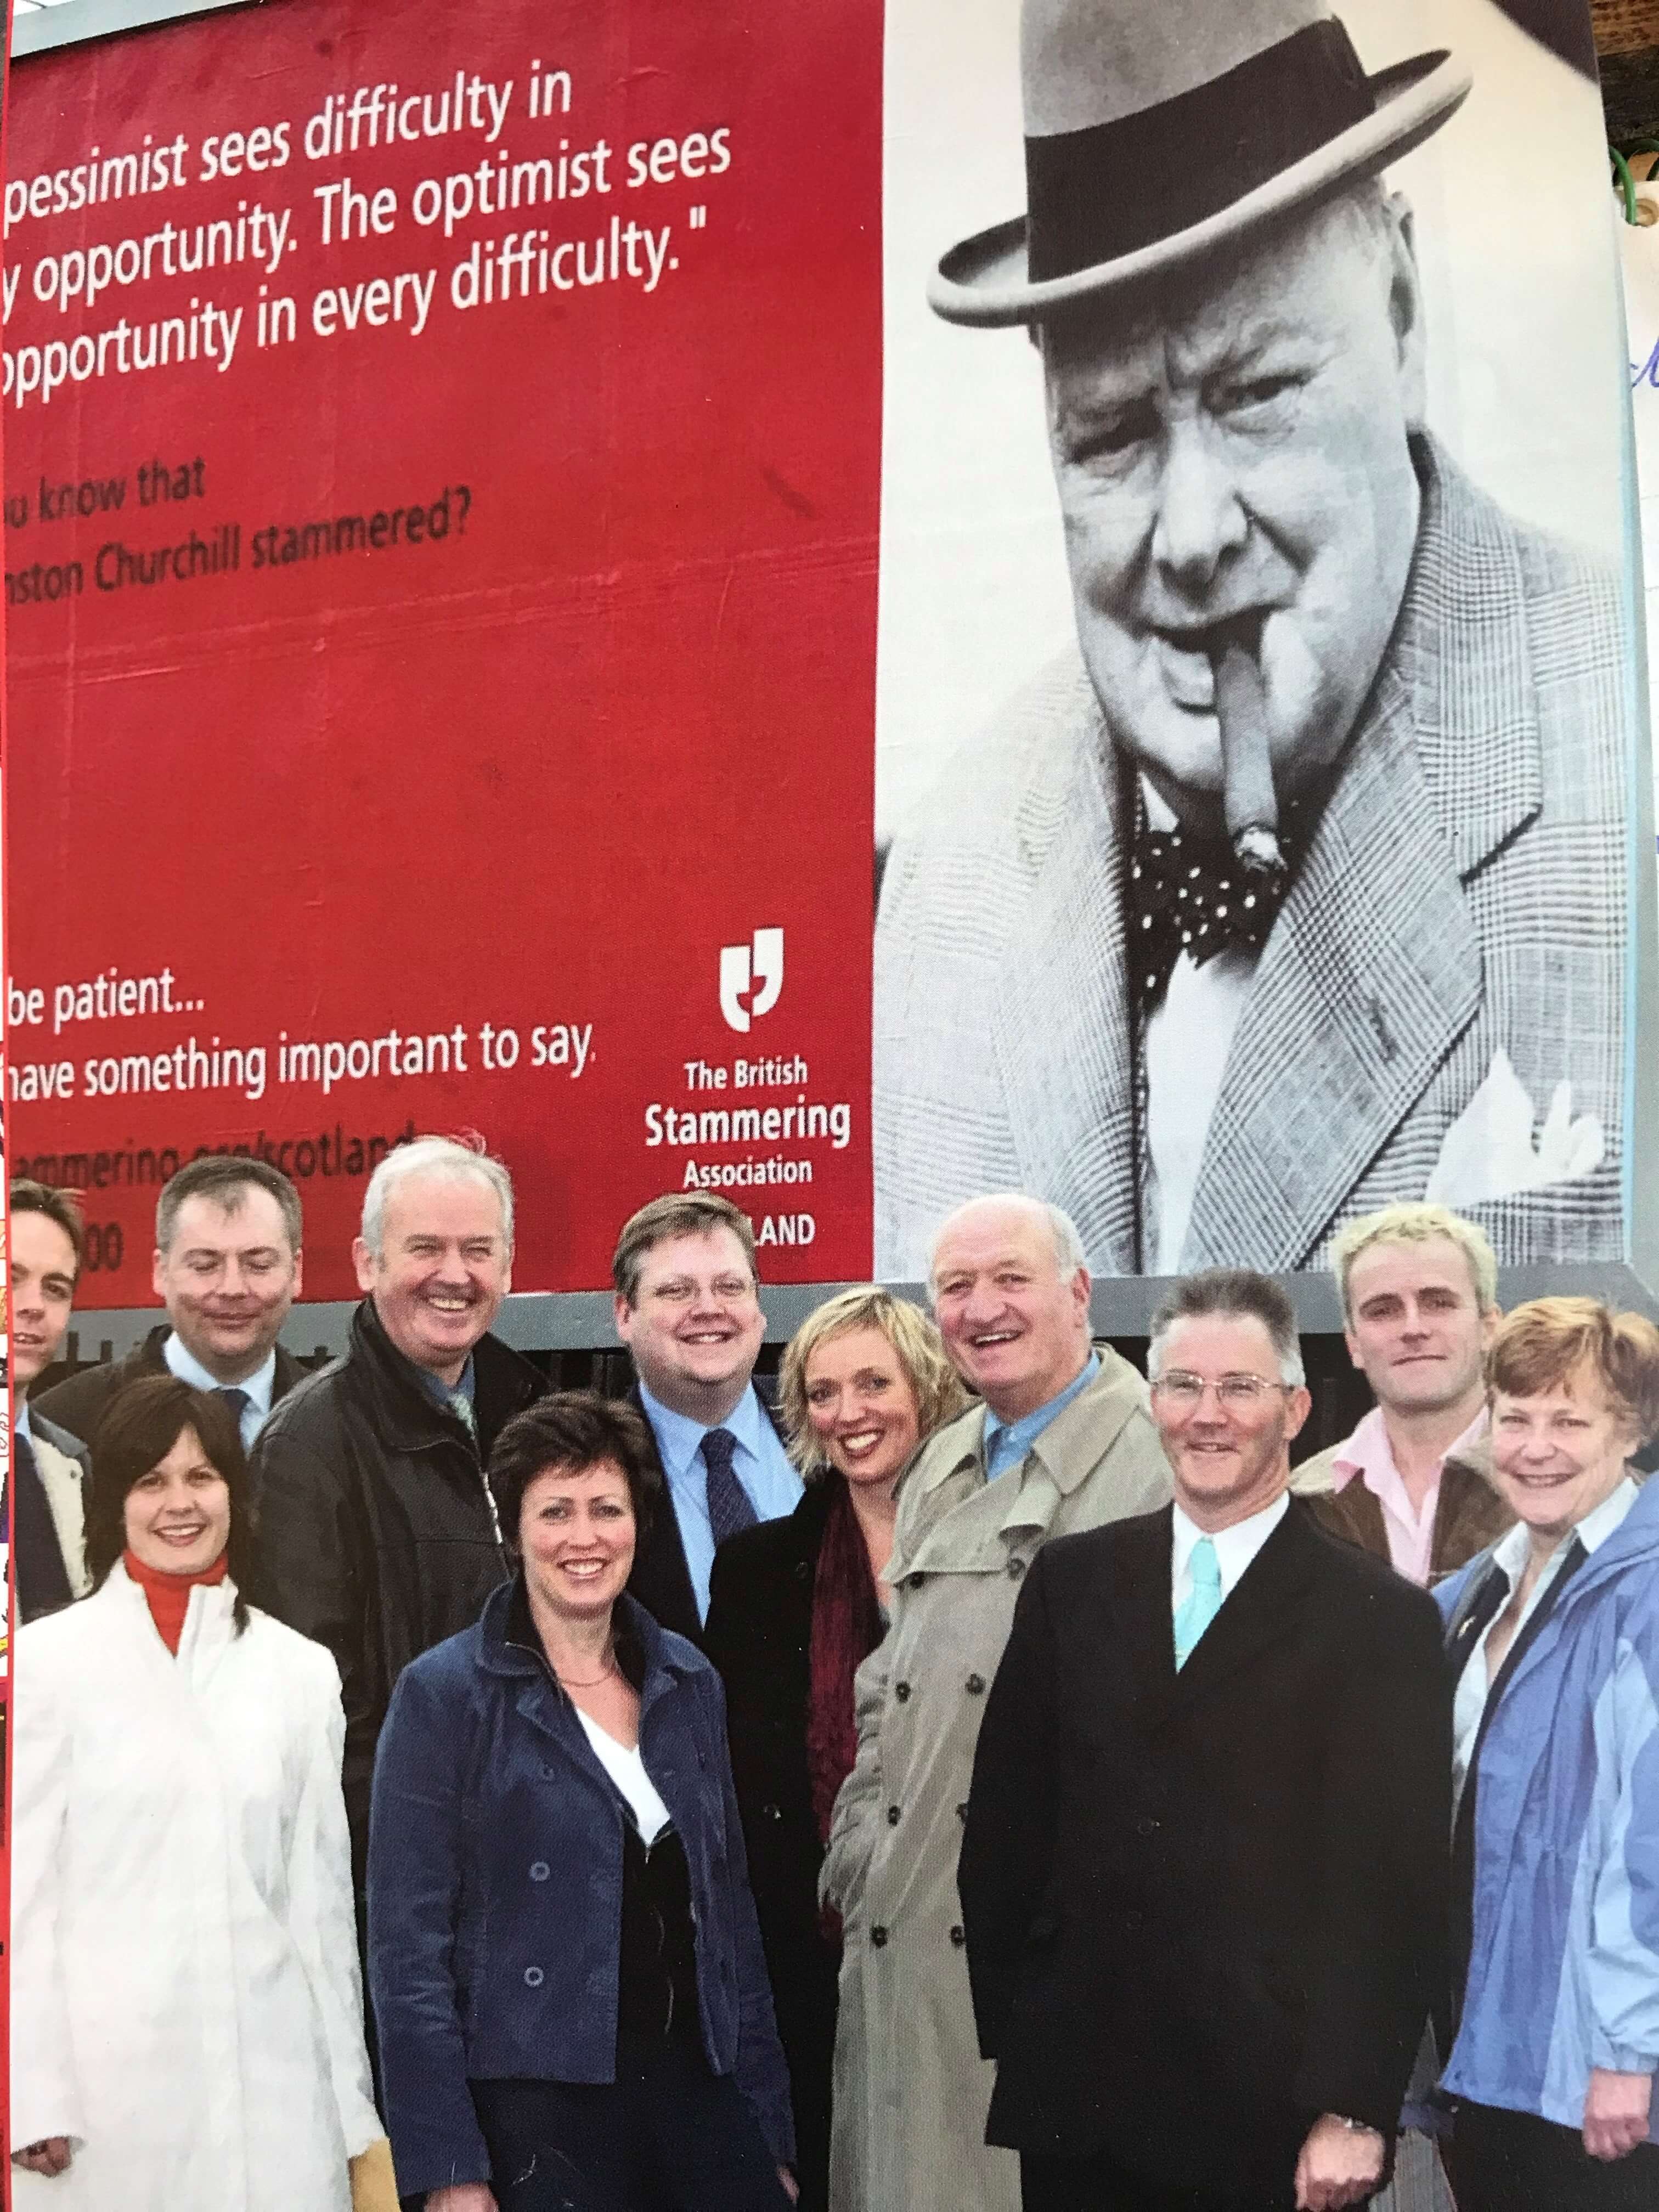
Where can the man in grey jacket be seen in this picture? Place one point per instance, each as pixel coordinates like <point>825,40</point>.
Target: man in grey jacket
<point>1062,1442</point>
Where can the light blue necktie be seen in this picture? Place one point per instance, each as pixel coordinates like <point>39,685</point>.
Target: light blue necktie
<point>1203,1603</point>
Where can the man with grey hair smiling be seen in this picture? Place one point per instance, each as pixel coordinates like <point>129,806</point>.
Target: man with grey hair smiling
<point>1062,1440</point>
<point>378,1534</point>
<point>1205,1861</point>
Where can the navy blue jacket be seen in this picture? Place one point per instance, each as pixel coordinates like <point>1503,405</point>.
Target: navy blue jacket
<point>495,1885</point>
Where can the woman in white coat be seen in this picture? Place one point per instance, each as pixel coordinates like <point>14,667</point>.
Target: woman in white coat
<point>187,2022</point>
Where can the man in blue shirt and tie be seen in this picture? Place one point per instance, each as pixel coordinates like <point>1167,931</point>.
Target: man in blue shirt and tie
<point>688,1309</point>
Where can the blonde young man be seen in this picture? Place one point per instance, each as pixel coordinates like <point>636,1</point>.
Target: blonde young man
<point>1419,1303</point>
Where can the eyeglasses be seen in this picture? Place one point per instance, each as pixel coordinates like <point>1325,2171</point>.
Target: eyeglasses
<point>1238,1393</point>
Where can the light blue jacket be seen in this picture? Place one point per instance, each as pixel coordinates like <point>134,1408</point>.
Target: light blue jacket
<point>1564,1971</point>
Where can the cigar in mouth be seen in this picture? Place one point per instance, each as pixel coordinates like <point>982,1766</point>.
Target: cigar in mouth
<point>1251,804</point>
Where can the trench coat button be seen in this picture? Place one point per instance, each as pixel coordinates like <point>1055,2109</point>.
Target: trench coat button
<point>1016,1568</point>
<point>892,1816</point>
<point>802,1570</point>
<point>975,1686</point>
<point>533,1977</point>
<point>540,1870</point>
<point>879,1935</point>
<point>957,1937</point>
<point>771,1813</point>
<point>902,1692</point>
<point>962,1810</point>
<point>1146,1827</point>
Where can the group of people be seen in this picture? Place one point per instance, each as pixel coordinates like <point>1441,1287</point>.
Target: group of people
<point>977,1774</point>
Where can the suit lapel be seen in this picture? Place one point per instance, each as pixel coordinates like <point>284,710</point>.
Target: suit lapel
<point>1060,1023</point>
<point>1261,1612</point>
<point>1374,969</point>
<point>1139,1657</point>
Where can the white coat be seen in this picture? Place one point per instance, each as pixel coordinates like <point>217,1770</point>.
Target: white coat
<point>185,2004</point>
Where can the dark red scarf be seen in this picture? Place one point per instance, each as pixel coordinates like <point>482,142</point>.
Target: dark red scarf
<point>169,1595</point>
<point>847,1626</point>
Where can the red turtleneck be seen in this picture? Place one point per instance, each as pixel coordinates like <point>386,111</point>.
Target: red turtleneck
<point>169,1595</point>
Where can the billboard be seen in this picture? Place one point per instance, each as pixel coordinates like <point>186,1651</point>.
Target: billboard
<point>515,524</point>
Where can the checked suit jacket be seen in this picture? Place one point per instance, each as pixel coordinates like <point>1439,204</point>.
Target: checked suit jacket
<point>1203,1907</point>
<point>1464,896</point>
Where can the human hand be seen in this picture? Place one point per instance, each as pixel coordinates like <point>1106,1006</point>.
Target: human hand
<point>461,2196</point>
<point>1339,2165</point>
<point>1616,2112</point>
<point>51,2156</point>
<point>790,2186</point>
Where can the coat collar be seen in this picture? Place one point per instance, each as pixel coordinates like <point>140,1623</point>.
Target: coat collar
<point>407,1416</point>
<point>1374,967</point>
<point>503,1649</point>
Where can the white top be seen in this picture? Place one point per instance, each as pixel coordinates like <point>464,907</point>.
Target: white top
<point>256,1388</point>
<point>626,1770</point>
<point>1510,1557</point>
<point>1235,1548</point>
<point>1189,1037</point>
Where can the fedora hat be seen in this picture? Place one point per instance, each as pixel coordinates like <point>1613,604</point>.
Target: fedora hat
<point>1157,131</point>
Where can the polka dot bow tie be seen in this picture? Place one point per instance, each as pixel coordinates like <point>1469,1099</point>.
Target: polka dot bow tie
<point>1188,894</point>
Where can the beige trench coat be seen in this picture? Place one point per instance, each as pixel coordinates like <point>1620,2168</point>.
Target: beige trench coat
<point>911,2091</point>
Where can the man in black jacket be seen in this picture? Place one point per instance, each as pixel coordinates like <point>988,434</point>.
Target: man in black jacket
<point>1203,1871</point>
<point>377,1535</point>
<point>228,1268</point>
<point>688,1307</point>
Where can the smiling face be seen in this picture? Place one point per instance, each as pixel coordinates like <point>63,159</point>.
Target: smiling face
<point>696,1328</point>
<point>1415,1327</point>
<point>41,1269</point>
<point>576,1535</point>
<point>1229,1461</point>
<point>447,1265</point>
<point>176,1516</point>
<point>861,1406</point>
<point>1237,453</point>
<point>1015,1327</point>
<point>1557,1455</point>
<point>228,1279</point>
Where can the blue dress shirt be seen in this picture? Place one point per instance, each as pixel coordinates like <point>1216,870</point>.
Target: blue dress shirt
<point>256,1388</point>
<point>1006,1442</point>
<point>760,1463</point>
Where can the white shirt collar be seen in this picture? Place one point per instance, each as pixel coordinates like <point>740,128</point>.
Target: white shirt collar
<point>1235,1546</point>
<point>20,1426</point>
<point>1509,1553</point>
<point>258,1386</point>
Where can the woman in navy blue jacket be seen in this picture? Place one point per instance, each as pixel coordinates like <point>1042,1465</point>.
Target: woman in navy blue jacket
<point>567,1971</point>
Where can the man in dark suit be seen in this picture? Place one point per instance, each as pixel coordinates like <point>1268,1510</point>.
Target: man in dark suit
<point>688,1309</point>
<point>44,1511</point>
<point>227,1267</point>
<point>1203,1871</point>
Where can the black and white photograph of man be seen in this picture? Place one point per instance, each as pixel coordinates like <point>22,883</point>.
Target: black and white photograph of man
<point>1294,884</point>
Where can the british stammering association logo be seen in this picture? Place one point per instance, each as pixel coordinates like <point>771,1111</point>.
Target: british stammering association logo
<point>751,978</point>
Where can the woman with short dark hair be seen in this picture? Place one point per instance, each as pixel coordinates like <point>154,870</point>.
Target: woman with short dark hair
<point>186,2018</point>
<point>1553,1638</point>
<point>568,1984</point>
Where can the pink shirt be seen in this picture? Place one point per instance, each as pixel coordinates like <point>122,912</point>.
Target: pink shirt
<point>1368,1455</point>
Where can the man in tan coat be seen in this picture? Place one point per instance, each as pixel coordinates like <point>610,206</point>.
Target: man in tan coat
<point>1063,1442</point>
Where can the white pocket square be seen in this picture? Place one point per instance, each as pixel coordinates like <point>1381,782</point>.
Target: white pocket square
<point>1488,1153</point>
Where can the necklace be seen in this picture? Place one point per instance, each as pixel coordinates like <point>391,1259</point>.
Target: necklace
<point>570,1681</point>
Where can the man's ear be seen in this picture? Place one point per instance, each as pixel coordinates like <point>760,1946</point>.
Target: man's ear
<point>1406,308</point>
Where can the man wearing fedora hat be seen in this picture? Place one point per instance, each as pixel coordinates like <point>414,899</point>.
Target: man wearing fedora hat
<point>1305,893</point>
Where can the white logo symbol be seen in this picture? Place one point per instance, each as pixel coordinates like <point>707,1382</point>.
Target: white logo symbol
<point>740,973</point>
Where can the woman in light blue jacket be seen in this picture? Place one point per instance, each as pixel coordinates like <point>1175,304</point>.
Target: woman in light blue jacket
<point>1552,1634</point>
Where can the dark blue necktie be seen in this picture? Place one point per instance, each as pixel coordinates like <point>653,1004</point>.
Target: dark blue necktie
<point>729,1508</point>
<point>237,1400</point>
<point>43,1582</point>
